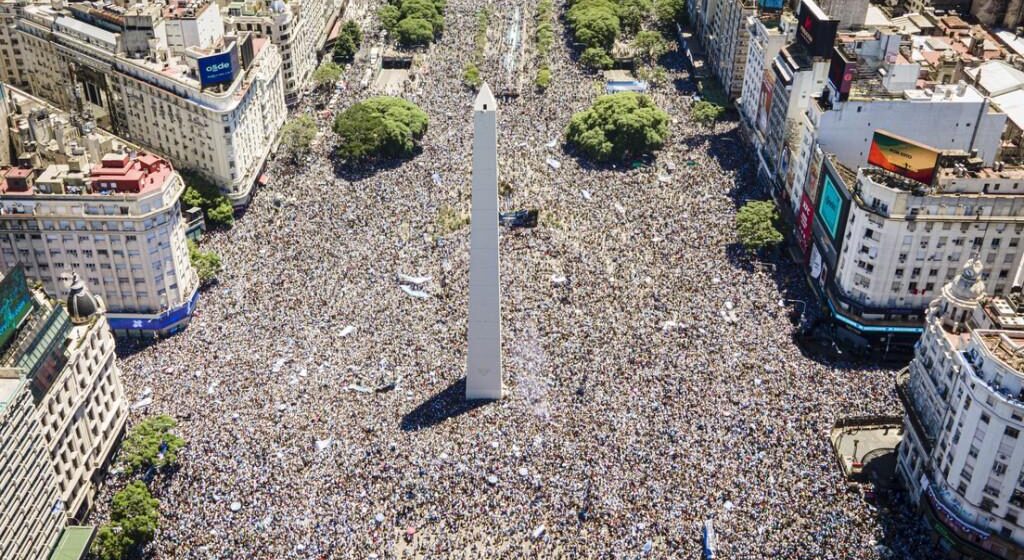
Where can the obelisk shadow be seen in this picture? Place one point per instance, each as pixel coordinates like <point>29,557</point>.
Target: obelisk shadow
<point>447,404</point>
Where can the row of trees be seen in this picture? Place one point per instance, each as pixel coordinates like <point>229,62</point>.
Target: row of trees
<point>413,22</point>
<point>134,513</point>
<point>544,37</point>
<point>471,76</point>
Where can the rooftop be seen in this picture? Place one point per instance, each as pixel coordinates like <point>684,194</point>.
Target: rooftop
<point>1007,346</point>
<point>10,384</point>
<point>73,543</point>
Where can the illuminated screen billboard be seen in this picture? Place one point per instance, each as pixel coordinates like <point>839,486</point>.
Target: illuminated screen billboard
<point>15,303</point>
<point>771,4</point>
<point>903,157</point>
<point>219,68</point>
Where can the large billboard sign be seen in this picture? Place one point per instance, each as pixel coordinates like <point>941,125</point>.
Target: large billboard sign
<point>817,32</point>
<point>903,157</point>
<point>804,222</point>
<point>771,4</point>
<point>841,73</point>
<point>219,68</point>
<point>15,303</point>
<point>830,207</point>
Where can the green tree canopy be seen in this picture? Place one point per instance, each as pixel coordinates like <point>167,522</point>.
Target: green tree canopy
<point>415,32</point>
<point>669,12</point>
<point>632,14</point>
<point>543,80</point>
<point>206,263</point>
<point>109,543</point>
<point>471,77</point>
<point>618,127</point>
<point>351,29</point>
<point>650,45</point>
<point>344,48</point>
<point>389,16</point>
<point>151,444</point>
<point>595,58</point>
<point>137,513</point>
<point>326,74</point>
<point>298,133</point>
<point>705,112</point>
<point>755,225</point>
<point>204,195</point>
<point>385,127</point>
<point>595,23</point>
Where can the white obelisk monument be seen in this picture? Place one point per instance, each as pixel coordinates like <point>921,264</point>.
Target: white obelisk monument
<point>483,368</point>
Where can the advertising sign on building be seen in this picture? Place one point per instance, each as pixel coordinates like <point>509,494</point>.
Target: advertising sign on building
<point>804,223</point>
<point>830,207</point>
<point>219,68</point>
<point>771,4</point>
<point>15,303</point>
<point>767,85</point>
<point>817,32</point>
<point>903,157</point>
<point>841,73</point>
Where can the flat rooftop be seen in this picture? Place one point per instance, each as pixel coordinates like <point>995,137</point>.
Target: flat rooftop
<point>73,543</point>
<point>1008,346</point>
<point>8,387</point>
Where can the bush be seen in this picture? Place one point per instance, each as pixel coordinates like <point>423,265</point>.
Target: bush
<point>386,127</point>
<point>543,80</point>
<point>206,263</point>
<point>755,225</point>
<point>618,127</point>
<point>596,59</point>
<point>450,220</point>
<point>151,444</point>
<point>206,196</point>
<point>655,76</point>
<point>595,23</point>
<point>705,112</point>
<point>297,134</point>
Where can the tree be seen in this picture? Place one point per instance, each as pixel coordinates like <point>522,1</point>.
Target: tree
<point>595,58</point>
<point>543,80</point>
<point>632,14</point>
<point>595,23</point>
<point>380,127</point>
<point>415,32</point>
<point>389,16</point>
<point>298,133</point>
<point>755,225</point>
<point>109,543</point>
<point>618,127</point>
<point>650,45</point>
<point>205,195</point>
<point>351,29</point>
<point>326,74</point>
<point>344,48</point>
<point>705,112</point>
<point>669,12</point>
<point>206,263</point>
<point>471,77</point>
<point>151,444</point>
<point>137,513</point>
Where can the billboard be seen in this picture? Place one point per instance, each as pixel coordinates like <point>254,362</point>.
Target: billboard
<point>841,73</point>
<point>219,68</point>
<point>15,303</point>
<point>804,221</point>
<point>830,206</point>
<point>816,32</point>
<point>903,157</point>
<point>771,4</point>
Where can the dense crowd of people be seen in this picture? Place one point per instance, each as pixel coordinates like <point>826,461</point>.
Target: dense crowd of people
<point>651,376</point>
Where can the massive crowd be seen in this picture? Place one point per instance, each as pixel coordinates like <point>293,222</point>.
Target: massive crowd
<point>321,402</point>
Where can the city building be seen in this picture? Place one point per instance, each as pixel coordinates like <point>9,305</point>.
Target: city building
<point>62,410</point>
<point>725,42</point>
<point>78,200</point>
<point>767,33</point>
<point>961,459</point>
<point>937,6</point>
<point>299,28</point>
<point>882,245</point>
<point>851,14</point>
<point>160,77</point>
<point>998,13</point>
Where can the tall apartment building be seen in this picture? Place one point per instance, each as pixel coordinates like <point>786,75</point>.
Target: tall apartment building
<point>998,13</point>
<point>63,410</point>
<point>766,35</point>
<point>725,41</point>
<point>156,77</point>
<point>298,28</point>
<point>82,201</point>
<point>961,457</point>
<point>32,517</point>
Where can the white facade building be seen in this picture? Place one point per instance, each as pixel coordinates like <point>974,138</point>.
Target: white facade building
<point>961,457</point>
<point>726,42</point>
<point>220,125</point>
<point>766,35</point>
<point>298,28</point>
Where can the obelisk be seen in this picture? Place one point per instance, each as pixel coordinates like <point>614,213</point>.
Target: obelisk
<point>483,367</point>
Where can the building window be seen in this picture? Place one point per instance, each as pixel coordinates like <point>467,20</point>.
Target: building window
<point>985,417</point>
<point>1012,432</point>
